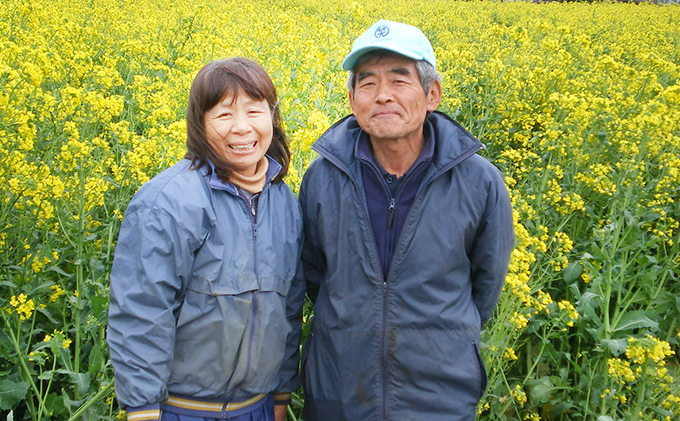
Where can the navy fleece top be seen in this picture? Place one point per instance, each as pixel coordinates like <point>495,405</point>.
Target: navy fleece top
<point>389,198</point>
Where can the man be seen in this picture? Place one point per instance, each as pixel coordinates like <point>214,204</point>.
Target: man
<point>408,237</point>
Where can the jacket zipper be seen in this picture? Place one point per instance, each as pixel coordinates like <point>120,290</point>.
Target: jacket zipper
<point>390,213</point>
<point>252,207</point>
<point>389,249</point>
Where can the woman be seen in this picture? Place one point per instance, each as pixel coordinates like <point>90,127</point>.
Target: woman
<point>204,293</point>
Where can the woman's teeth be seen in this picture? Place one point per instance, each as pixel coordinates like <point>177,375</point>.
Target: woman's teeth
<point>243,147</point>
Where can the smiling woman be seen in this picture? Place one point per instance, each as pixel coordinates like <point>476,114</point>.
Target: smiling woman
<point>206,305</point>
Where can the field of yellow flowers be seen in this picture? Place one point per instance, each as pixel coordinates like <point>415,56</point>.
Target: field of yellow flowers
<point>578,104</point>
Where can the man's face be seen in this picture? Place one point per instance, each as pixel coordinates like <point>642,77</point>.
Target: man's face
<point>388,101</point>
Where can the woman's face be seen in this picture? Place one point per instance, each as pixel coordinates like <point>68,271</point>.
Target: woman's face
<point>240,131</point>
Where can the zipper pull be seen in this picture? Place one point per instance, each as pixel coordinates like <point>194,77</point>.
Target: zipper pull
<point>251,203</point>
<point>390,216</point>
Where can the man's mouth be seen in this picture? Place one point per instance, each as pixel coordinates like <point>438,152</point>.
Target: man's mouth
<point>385,114</point>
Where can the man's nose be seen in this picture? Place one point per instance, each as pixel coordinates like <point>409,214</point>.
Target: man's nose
<point>383,93</point>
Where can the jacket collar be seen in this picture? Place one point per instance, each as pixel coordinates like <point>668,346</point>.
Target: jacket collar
<point>217,184</point>
<point>363,150</point>
<point>452,143</point>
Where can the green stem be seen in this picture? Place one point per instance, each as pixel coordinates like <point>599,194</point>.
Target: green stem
<point>79,273</point>
<point>291,415</point>
<point>49,384</point>
<point>28,341</point>
<point>105,391</point>
<point>671,330</point>
<point>590,388</point>
<point>607,385</point>
<point>607,301</point>
<point>659,288</point>
<point>24,367</point>
<point>544,342</point>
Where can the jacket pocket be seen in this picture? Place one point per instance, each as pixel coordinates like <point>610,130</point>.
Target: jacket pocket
<point>213,330</point>
<point>275,284</point>
<point>236,284</point>
<point>482,371</point>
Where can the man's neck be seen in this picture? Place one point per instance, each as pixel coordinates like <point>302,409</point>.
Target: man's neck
<point>396,156</point>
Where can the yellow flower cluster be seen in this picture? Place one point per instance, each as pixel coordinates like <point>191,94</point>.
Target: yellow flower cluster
<point>519,395</point>
<point>640,350</point>
<point>645,357</point>
<point>570,310</point>
<point>58,336</point>
<point>23,306</point>
<point>620,370</point>
<point>58,291</point>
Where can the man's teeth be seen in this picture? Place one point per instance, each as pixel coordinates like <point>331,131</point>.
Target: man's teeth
<point>243,147</point>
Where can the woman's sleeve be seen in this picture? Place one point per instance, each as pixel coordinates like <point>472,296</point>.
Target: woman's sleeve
<point>152,262</point>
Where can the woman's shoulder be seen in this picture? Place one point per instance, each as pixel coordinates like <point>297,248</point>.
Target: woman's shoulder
<point>179,184</point>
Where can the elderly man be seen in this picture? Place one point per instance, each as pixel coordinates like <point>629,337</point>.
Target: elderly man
<point>408,237</point>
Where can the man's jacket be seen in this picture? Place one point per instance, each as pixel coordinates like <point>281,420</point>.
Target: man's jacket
<point>403,346</point>
<point>199,288</point>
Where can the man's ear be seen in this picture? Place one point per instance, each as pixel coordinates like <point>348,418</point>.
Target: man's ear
<point>434,96</point>
<point>351,100</point>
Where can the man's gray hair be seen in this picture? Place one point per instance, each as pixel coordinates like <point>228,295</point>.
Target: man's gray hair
<point>426,72</point>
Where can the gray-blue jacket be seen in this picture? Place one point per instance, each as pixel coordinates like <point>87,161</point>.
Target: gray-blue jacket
<point>405,346</point>
<point>199,291</point>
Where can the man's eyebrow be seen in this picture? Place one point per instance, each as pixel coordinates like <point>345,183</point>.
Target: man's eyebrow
<point>364,75</point>
<point>400,71</point>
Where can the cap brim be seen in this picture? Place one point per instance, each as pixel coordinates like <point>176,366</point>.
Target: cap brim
<point>351,59</point>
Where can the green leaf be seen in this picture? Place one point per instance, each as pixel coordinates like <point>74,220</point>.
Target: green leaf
<point>604,418</point>
<point>575,292</point>
<point>58,270</point>
<point>96,360</point>
<point>81,380</point>
<point>45,312</point>
<point>11,393</point>
<point>541,390</point>
<point>46,375</point>
<point>573,271</point>
<point>99,304</point>
<point>662,412</point>
<point>635,320</point>
<point>617,346</point>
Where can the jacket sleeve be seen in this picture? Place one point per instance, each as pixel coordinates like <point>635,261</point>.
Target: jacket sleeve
<point>152,262</point>
<point>313,258</point>
<point>490,253</point>
<point>290,369</point>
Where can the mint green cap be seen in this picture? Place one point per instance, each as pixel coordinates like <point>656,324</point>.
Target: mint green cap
<point>403,39</point>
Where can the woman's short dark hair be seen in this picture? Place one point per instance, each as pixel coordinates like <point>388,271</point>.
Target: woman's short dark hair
<point>220,79</point>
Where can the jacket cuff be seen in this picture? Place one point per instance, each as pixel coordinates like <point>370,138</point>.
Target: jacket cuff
<point>282,398</point>
<point>150,412</point>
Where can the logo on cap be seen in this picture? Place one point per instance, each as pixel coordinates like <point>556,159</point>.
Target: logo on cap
<point>381,31</point>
